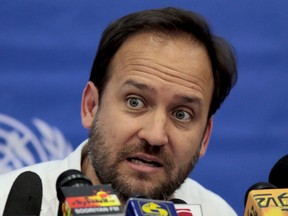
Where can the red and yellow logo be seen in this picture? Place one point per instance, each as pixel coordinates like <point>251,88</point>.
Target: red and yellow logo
<point>100,199</point>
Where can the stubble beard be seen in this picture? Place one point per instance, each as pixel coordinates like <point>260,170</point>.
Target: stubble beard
<point>130,186</point>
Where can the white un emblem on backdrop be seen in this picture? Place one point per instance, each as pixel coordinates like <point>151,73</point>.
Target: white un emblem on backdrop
<point>19,146</point>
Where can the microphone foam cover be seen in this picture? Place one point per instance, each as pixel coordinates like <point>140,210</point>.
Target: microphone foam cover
<point>279,173</point>
<point>25,197</point>
<point>71,178</point>
<point>177,201</point>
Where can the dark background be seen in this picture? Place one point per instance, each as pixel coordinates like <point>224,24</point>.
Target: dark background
<point>47,49</point>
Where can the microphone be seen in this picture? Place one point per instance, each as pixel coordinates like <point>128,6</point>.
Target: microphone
<point>148,207</point>
<point>264,199</point>
<point>279,173</point>
<point>25,197</point>
<point>184,209</point>
<point>77,196</point>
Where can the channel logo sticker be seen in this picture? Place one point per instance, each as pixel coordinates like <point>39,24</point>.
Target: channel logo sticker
<point>188,209</point>
<point>154,208</point>
<point>92,200</point>
<point>184,212</point>
<point>146,207</point>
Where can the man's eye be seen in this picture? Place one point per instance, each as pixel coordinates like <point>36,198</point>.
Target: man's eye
<point>135,103</point>
<point>182,115</point>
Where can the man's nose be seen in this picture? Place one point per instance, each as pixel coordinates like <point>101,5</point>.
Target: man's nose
<point>154,129</point>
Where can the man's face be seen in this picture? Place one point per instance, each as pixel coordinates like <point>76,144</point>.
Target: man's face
<point>151,125</point>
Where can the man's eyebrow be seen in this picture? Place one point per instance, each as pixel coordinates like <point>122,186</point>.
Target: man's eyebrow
<point>143,86</point>
<point>188,99</point>
<point>138,85</point>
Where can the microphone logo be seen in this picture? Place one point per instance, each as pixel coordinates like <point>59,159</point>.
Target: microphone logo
<point>271,201</point>
<point>152,208</point>
<point>146,207</point>
<point>99,199</point>
<point>90,200</point>
<point>184,212</point>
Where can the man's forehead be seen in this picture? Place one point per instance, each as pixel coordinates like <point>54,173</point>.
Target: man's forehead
<point>145,43</point>
<point>175,62</point>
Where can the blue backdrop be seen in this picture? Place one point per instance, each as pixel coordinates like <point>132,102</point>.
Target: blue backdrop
<point>46,52</point>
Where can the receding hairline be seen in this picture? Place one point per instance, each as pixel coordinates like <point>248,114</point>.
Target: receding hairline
<point>165,35</point>
<point>162,36</point>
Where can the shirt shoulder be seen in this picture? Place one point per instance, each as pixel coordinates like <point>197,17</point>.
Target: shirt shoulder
<point>48,173</point>
<point>211,203</point>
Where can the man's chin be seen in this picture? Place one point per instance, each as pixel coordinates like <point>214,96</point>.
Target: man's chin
<point>139,187</point>
<point>130,183</point>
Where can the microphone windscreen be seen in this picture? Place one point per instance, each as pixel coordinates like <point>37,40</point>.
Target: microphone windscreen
<point>25,197</point>
<point>279,173</point>
<point>177,201</point>
<point>141,196</point>
<point>71,178</point>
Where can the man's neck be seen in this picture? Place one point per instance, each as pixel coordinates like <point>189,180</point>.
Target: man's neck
<point>87,168</point>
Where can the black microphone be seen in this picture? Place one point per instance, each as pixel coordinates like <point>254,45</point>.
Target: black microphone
<point>177,201</point>
<point>279,173</point>
<point>69,178</point>
<point>77,196</point>
<point>184,209</point>
<point>25,197</point>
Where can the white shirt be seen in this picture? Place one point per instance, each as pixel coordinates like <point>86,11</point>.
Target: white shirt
<point>191,191</point>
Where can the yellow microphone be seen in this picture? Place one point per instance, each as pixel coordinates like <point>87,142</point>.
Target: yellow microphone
<point>264,199</point>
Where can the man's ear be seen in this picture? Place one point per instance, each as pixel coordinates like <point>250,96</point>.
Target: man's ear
<point>89,104</point>
<point>206,137</point>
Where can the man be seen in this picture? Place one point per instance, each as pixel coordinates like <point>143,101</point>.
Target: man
<point>157,80</point>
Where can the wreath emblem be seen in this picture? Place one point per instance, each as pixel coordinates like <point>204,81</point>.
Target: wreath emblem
<point>20,146</point>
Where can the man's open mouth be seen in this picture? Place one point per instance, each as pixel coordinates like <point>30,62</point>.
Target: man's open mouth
<point>141,161</point>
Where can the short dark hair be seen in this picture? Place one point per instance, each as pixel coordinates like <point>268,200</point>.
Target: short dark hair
<point>169,20</point>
